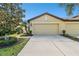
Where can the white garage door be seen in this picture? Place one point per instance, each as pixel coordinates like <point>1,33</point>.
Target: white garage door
<point>45,29</point>
<point>72,28</point>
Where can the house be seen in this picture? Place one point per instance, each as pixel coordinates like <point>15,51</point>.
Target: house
<point>48,24</point>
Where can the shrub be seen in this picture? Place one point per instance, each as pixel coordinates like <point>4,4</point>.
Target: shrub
<point>6,32</point>
<point>30,32</point>
<point>64,32</point>
<point>19,30</point>
<point>10,41</point>
<point>2,33</point>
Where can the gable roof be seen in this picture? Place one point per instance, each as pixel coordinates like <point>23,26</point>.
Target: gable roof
<point>75,16</point>
<point>52,16</point>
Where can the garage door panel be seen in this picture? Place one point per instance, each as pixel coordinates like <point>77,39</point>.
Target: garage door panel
<point>72,28</point>
<point>45,29</point>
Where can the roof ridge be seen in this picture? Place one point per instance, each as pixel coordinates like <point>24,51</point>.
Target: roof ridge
<point>52,16</point>
<point>47,14</point>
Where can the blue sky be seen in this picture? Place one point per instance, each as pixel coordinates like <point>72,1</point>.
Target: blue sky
<point>35,9</point>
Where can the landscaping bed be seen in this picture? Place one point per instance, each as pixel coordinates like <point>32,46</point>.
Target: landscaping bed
<point>8,42</point>
<point>71,37</point>
<point>12,47</point>
<point>26,35</point>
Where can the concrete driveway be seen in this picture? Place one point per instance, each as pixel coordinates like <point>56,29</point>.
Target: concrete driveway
<point>50,46</point>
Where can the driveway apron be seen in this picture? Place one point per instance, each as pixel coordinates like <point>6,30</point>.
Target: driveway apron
<point>50,46</point>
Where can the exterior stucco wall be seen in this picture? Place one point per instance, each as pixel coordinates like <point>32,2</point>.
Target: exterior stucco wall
<point>63,25</point>
<point>45,19</point>
<point>53,19</point>
<point>72,28</point>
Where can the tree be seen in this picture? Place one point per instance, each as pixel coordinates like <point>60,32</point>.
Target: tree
<point>69,7</point>
<point>11,15</point>
<point>22,28</point>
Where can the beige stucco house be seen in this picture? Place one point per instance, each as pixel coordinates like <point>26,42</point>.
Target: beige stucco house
<point>48,24</point>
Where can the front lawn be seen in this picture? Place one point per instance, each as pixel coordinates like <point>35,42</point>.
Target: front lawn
<point>14,49</point>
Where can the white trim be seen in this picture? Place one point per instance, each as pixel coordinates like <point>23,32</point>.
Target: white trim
<point>71,22</point>
<point>45,22</point>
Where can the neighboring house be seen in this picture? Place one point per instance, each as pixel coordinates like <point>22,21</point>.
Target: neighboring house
<point>47,24</point>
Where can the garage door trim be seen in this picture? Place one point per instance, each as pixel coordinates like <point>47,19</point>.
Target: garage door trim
<point>57,24</point>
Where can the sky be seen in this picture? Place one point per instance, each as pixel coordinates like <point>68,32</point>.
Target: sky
<point>35,9</point>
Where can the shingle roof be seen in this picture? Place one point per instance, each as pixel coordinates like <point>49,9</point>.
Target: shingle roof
<point>75,16</point>
<point>53,16</point>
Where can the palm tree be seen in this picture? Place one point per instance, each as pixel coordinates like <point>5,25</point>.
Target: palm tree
<point>69,7</point>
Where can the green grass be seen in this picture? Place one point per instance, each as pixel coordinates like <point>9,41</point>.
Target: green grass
<point>15,49</point>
